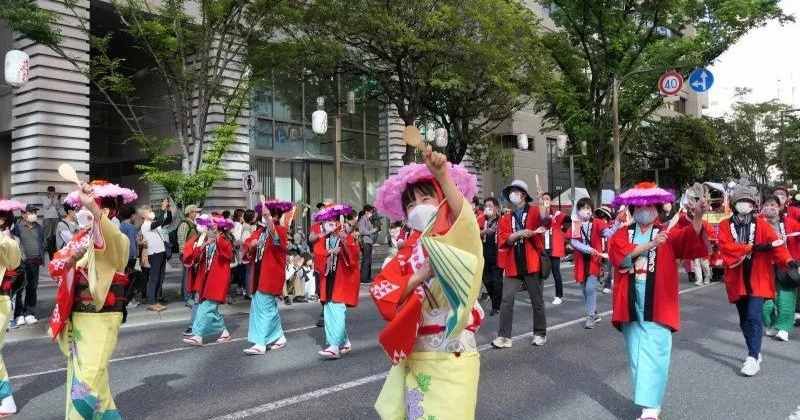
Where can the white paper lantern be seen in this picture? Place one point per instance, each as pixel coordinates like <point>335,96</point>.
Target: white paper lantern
<point>440,137</point>
<point>319,122</point>
<point>522,141</point>
<point>17,67</point>
<point>561,143</point>
<point>430,133</point>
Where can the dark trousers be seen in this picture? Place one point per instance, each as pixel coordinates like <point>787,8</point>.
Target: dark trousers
<point>555,263</point>
<point>512,285</point>
<point>239,275</point>
<point>750,321</point>
<point>366,263</point>
<point>493,281</point>
<point>158,263</point>
<point>27,306</point>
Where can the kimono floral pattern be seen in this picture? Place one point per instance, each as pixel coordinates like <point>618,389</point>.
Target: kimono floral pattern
<point>415,398</point>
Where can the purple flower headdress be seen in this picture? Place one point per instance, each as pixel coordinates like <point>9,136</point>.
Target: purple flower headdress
<point>644,194</point>
<point>103,189</point>
<point>11,205</point>
<point>274,205</point>
<point>221,223</point>
<point>332,213</point>
<point>388,198</point>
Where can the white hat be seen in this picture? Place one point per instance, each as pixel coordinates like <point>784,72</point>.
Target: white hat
<point>518,184</point>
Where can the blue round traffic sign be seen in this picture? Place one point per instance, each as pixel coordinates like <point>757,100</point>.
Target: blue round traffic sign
<point>701,80</point>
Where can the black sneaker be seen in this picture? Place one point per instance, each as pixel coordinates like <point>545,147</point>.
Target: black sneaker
<point>187,332</point>
<point>321,322</point>
<point>300,299</point>
<point>287,300</point>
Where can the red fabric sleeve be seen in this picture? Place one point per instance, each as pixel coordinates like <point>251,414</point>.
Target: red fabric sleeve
<point>504,231</point>
<point>388,287</point>
<point>350,250</point>
<point>619,247</point>
<point>224,249</point>
<point>188,255</point>
<point>686,243</point>
<point>730,251</point>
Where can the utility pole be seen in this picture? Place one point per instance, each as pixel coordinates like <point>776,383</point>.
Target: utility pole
<point>615,112</point>
<point>337,157</point>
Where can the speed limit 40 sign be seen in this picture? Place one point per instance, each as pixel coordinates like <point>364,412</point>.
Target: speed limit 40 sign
<point>670,83</point>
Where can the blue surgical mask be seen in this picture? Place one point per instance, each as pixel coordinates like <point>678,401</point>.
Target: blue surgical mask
<point>644,217</point>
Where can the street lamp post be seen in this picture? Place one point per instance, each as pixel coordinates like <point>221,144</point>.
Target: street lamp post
<point>319,125</point>
<point>561,144</point>
<point>615,85</point>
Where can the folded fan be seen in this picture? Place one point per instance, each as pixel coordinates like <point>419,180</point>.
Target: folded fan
<point>455,270</point>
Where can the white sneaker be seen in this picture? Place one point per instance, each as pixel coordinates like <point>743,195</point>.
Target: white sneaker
<point>797,316</point>
<point>8,406</point>
<point>557,301</point>
<point>707,281</point>
<point>332,352</point>
<point>770,332</point>
<point>698,283</point>
<point>539,340</point>
<point>751,367</point>
<point>606,290</point>
<point>30,320</point>
<point>502,343</point>
<point>20,321</point>
<point>782,335</point>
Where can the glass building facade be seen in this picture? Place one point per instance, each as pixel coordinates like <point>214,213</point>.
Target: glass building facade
<point>297,165</point>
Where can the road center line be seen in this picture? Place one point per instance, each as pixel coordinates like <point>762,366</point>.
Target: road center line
<point>312,395</point>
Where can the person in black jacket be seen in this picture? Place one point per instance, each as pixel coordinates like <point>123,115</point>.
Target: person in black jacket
<point>492,274</point>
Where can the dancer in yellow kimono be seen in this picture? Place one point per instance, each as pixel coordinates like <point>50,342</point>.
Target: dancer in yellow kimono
<point>90,300</point>
<point>428,293</point>
<point>10,259</point>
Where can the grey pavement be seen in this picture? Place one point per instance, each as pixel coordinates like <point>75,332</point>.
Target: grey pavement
<point>579,374</point>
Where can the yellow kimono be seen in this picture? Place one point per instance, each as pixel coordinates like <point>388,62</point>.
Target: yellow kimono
<point>90,338</point>
<point>439,379</point>
<point>9,259</point>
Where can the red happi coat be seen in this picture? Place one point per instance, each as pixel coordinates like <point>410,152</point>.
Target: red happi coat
<point>268,273</point>
<point>318,252</point>
<point>586,264</point>
<point>558,246</point>
<point>791,224</point>
<point>534,245</point>
<point>662,285</point>
<point>209,282</point>
<point>761,279</point>
<point>347,279</point>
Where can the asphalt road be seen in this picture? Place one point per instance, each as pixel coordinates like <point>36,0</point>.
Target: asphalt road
<point>579,374</point>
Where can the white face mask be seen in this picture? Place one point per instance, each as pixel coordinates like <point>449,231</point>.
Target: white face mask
<point>329,227</point>
<point>420,215</point>
<point>585,214</point>
<point>151,215</point>
<point>515,198</point>
<point>489,211</point>
<point>31,218</point>
<point>644,217</point>
<point>744,207</point>
<point>667,208</point>
<point>85,218</point>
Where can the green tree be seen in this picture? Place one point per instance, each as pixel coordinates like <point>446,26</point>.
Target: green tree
<point>598,41</point>
<point>752,134</point>
<point>192,47</point>
<point>691,147</point>
<point>465,64</point>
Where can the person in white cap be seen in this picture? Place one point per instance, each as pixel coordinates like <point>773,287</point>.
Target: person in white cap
<point>520,243</point>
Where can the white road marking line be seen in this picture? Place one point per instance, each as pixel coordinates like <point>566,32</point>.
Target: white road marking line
<point>312,395</point>
<point>155,353</point>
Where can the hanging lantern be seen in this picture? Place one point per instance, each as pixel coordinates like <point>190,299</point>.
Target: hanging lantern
<point>430,132</point>
<point>440,138</point>
<point>561,143</point>
<point>522,141</point>
<point>319,119</point>
<point>17,67</point>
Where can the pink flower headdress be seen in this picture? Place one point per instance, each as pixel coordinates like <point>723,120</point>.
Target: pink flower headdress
<point>388,198</point>
<point>644,194</point>
<point>333,212</point>
<point>102,189</point>
<point>11,205</point>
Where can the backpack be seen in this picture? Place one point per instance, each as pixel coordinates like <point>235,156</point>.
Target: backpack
<point>173,236</point>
